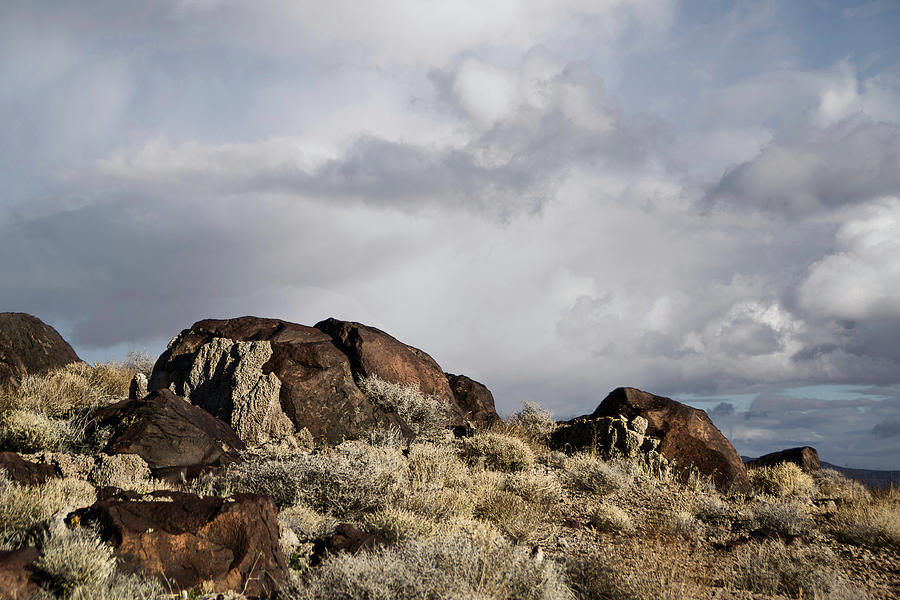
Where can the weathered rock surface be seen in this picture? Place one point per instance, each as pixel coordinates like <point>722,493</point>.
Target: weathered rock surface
<point>475,401</point>
<point>611,436</point>
<point>806,457</point>
<point>171,435</point>
<point>30,346</point>
<point>25,472</point>
<point>17,581</point>
<point>347,538</point>
<point>224,543</point>
<point>687,436</point>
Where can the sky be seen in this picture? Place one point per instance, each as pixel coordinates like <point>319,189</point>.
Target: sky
<point>700,199</point>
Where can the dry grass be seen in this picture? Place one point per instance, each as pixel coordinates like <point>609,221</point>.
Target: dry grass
<point>875,523</point>
<point>74,559</point>
<point>497,451</point>
<point>536,422</point>
<point>782,480</point>
<point>398,524</point>
<point>26,432</point>
<point>25,509</point>
<point>589,473</point>
<point>611,519</point>
<point>511,514</point>
<point>785,518</point>
<point>834,485</point>
<point>426,416</point>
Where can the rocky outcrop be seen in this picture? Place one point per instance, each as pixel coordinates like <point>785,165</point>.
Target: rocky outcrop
<point>172,436</point>
<point>346,538</point>
<point>29,346</point>
<point>687,436</point>
<point>139,386</point>
<point>475,401</point>
<point>805,457</point>
<point>226,544</point>
<point>17,576</point>
<point>610,436</point>
<point>238,368</point>
<point>25,472</point>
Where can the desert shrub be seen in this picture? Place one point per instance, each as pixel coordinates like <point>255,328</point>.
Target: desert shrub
<point>611,519</point>
<point>435,466</point>
<point>833,484</point>
<point>536,488</point>
<point>711,509</point>
<point>590,473</point>
<point>785,518</point>
<point>438,568</point>
<point>649,574</point>
<point>138,361</point>
<point>397,524</point>
<point>119,586</point>
<point>686,525</point>
<point>75,386</point>
<point>799,571</point>
<point>74,558</point>
<point>305,522</point>
<point>511,514</point>
<point>497,451</point>
<point>352,479</point>
<point>535,421</point>
<point>425,415</point>
<point>440,504</point>
<point>26,432</point>
<point>24,509</point>
<point>782,480</point>
<point>875,524</point>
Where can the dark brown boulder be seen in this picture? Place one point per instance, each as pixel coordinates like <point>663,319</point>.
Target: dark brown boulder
<point>173,436</point>
<point>29,346</point>
<point>25,472</point>
<point>346,538</point>
<point>316,391</point>
<point>227,544</point>
<point>805,457</point>
<point>687,435</point>
<point>17,581</point>
<point>475,401</point>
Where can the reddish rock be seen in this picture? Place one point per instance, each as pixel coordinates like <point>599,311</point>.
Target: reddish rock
<point>805,457</point>
<point>25,472</point>
<point>475,401</point>
<point>228,544</point>
<point>16,573</point>
<point>29,346</point>
<point>169,433</point>
<point>317,388</point>
<point>687,435</point>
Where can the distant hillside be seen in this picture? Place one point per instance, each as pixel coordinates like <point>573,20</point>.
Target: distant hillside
<point>869,477</point>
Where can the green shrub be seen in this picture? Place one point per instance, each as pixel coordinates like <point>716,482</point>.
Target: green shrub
<point>74,558</point>
<point>588,472</point>
<point>537,422</point>
<point>782,480</point>
<point>425,415</point>
<point>497,451</point>
<point>438,568</point>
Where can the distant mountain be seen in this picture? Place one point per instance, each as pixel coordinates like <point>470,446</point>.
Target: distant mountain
<point>869,477</point>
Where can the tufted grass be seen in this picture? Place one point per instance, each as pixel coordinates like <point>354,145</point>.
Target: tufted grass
<point>497,451</point>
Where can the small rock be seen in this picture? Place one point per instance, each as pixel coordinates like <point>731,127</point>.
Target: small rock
<point>138,387</point>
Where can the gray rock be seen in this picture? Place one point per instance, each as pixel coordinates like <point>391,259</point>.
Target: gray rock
<point>227,380</point>
<point>124,471</point>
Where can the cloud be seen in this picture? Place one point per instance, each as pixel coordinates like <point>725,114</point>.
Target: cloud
<point>887,429</point>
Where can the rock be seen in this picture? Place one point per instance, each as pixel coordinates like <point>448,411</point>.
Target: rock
<point>17,580</point>
<point>78,466</point>
<point>172,436</point>
<point>475,401</point>
<point>226,544</point>
<point>806,457</point>
<point>317,390</point>
<point>30,346</point>
<point>687,436</point>
<point>611,436</point>
<point>138,388</point>
<point>347,538</point>
<point>123,471</point>
<point>25,472</point>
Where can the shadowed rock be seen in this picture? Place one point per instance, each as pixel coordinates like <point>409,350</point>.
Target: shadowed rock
<point>172,436</point>
<point>25,472</point>
<point>687,436</point>
<point>226,544</point>
<point>475,401</point>
<point>17,578</point>
<point>346,538</point>
<point>30,346</point>
<point>806,457</point>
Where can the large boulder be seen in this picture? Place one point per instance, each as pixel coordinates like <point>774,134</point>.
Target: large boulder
<point>225,544</point>
<point>174,437</point>
<point>475,401</point>
<point>805,457</point>
<point>687,436</point>
<point>313,379</point>
<point>29,346</point>
<point>17,576</point>
<point>25,472</point>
